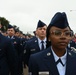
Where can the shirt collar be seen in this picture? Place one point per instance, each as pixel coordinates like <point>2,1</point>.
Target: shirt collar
<point>11,37</point>
<point>39,40</point>
<point>63,58</point>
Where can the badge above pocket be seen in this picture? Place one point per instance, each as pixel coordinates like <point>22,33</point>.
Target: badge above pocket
<point>32,49</point>
<point>44,73</point>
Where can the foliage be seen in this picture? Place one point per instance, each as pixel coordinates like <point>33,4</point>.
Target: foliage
<point>4,22</point>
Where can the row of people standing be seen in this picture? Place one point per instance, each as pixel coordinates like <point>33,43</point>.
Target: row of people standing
<point>11,52</point>
<point>14,52</point>
<point>8,56</point>
<point>19,45</point>
<point>56,58</point>
<point>17,42</point>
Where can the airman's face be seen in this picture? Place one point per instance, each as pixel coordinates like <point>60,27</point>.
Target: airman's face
<point>41,32</point>
<point>17,34</point>
<point>10,32</point>
<point>59,37</point>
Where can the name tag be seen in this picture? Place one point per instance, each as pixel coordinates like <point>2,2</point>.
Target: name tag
<point>32,49</point>
<point>43,73</point>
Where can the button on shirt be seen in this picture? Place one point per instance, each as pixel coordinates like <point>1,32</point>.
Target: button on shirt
<point>60,67</point>
<point>40,44</point>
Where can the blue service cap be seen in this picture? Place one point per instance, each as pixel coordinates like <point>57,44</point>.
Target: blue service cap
<point>59,20</point>
<point>10,26</point>
<point>40,24</point>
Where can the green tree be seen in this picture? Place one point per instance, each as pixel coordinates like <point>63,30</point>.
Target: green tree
<point>4,22</point>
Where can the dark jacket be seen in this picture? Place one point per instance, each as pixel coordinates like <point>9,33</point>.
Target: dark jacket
<point>17,42</point>
<point>31,47</point>
<point>8,57</point>
<point>44,62</point>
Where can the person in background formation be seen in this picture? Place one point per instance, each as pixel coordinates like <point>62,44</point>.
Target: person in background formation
<point>72,43</point>
<point>18,47</point>
<point>8,56</point>
<point>34,45</point>
<point>74,39</point>
<point>57,59</point>
<point>17,32</point>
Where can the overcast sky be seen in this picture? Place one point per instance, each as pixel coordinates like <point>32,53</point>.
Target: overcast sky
<point>26,13</point>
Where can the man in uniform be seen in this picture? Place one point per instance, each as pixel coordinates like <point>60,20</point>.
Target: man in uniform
<point>34,45</point>
<point>18,47</point>
<point>57,59</point>
<point>8,56</point>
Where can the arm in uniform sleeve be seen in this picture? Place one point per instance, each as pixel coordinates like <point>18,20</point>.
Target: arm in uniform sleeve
<point>33,69</point>
<point>26,54</point>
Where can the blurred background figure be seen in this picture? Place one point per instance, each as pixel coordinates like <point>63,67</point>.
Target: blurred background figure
<point>17,42</point>
<point>8,54</point>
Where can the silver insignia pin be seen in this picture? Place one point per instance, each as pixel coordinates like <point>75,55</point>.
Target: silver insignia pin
<point>70,53</point>
<point>48,54</point>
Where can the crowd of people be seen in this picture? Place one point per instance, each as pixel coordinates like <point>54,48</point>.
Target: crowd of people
<point>51,51</point>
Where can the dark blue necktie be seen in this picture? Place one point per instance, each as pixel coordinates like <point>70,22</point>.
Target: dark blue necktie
<point>59,60</point>
<point>42,46</point>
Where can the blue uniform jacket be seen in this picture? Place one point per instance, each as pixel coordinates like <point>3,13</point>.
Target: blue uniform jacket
<point>8,57</point>
<point>43,62</point>
<point>31,47</point>
<point>17,42</point>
